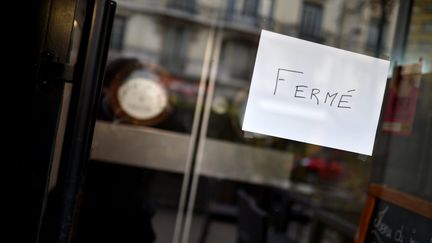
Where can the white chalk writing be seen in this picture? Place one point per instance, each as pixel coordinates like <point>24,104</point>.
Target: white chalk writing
<point>382,231</point>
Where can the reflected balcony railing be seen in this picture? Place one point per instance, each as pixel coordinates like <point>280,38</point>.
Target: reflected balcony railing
<point>188,6</point>
<point>192,10</point>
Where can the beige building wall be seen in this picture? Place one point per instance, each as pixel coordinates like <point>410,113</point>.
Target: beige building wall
<point>264,7</point>
<point>331,24</point>
<point>216,4</point>
<point>196,50</point>
<point>197,43</point>
<point>142,33</point>
<point>331,15</point>
<point>350,31</point>
<point>287,12</point>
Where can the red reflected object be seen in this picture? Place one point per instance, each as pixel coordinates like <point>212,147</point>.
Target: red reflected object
<point>326,170</point>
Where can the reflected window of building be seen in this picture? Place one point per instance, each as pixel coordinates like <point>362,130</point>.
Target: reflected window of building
<point>238,58</point>
<point>173,54</point>
<point>250,8</point>
<point>245,11</point>
<point>230,10</point>
<point>310,26</point>
<point>373,33</point>
<point>117,33</point>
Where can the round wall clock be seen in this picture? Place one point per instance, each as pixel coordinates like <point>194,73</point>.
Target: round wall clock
<point>137,93</point>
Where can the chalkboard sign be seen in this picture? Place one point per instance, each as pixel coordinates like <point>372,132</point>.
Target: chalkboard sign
<point>391,216</point>
<point>391,223</point>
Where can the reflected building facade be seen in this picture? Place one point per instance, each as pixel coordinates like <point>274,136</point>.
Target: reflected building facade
<point>144,29</point>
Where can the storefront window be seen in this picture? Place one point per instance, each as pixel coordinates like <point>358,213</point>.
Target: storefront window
<point>168,147</point>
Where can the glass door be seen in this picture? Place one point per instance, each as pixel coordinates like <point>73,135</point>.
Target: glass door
<point>146,133</point>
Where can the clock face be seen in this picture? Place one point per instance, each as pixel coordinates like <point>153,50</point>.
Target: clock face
<point>142,98</point>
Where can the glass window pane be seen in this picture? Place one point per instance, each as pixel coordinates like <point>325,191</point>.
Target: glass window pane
<point>168,144</point>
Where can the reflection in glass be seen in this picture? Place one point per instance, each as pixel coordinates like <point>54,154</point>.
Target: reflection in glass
<point>210,46</point>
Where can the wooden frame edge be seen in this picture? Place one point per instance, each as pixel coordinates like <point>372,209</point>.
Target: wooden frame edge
<point>365,219</point>
<point>403,200</point>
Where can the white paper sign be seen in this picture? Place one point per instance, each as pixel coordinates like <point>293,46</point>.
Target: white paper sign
<point>315,94</point>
